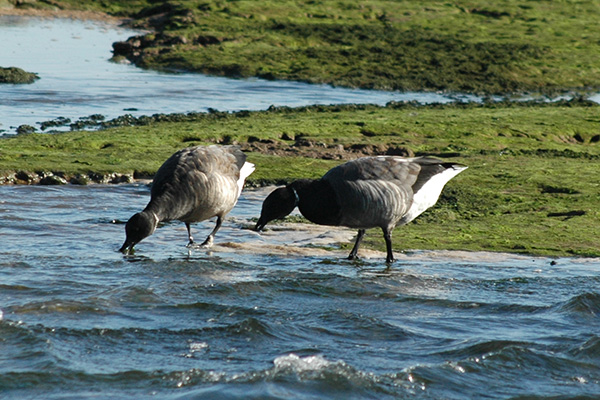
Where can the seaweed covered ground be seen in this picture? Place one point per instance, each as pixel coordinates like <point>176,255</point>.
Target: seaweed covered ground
<point>14,75</point>
<point>478,46</point>
<point>531,186</point>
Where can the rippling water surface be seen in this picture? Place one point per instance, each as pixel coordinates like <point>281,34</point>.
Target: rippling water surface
<point>271,316</point>
<point>276,315</point>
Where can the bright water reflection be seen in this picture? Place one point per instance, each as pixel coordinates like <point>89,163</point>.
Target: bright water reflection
<point>77,80</point>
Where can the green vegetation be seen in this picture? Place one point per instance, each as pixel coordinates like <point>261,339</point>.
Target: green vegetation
<point>462,45</point>
<point>16,75</point>
<point>531,186</point>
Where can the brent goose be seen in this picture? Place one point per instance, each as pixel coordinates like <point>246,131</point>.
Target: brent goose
<point>370,192</point>
<point>194,184</point>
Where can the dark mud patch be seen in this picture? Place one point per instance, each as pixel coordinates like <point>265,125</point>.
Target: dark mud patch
<point>309,148</point>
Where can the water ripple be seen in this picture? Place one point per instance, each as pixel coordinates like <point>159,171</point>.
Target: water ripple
<point>256,317</point>
<point>585,304</point>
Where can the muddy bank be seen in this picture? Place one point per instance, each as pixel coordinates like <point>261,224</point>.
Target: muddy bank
<point>311,139</point>
<point>299,147</point>
<point>386,45</point>
<point>308,148</point>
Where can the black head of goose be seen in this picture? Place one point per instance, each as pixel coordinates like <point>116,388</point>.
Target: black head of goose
<point>193,185</point>
<point>370,192</point>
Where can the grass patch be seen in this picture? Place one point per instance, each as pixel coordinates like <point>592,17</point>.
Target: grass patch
<point>469,46</point>
<point>530,186</point>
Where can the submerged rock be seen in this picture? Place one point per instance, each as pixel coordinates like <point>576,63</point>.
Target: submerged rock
<point>25,129</point>
<point>8,178</point>
<point>49,178</point>
<point>79,179</point>
<point>26,177</point>
<point>17,75</point>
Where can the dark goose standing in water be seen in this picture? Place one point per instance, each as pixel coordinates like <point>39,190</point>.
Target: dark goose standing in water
<point>370,192</point>
<point>193,185</point>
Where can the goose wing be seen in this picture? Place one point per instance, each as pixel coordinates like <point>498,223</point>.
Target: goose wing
<point>387,168</point>
<point>198,183</point>
<point>374,191</point>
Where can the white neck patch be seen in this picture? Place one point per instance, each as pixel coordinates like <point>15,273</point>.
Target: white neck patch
<point>156,221</point>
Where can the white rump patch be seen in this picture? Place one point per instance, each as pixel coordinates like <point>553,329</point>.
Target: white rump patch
<point>430,192</point>
<point>245,172</point>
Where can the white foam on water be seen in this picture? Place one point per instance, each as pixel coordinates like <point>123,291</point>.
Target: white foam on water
<point>301,364</point>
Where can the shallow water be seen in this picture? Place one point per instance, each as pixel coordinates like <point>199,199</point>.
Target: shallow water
<point>270,316</point>
<point>275,315</point>
<point>77,80</point>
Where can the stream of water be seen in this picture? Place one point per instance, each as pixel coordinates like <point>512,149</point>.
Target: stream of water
<point>77,80</point>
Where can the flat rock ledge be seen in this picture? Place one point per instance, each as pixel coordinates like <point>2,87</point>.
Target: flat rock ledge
<point>59,178</point>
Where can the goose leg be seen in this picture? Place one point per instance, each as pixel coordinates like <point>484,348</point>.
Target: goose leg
<point>387,235</point>
<point>189,229</point>
<point>359,237</point>
<point>210,239</point>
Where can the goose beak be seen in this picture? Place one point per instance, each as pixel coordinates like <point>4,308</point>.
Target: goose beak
<point>127,247</point>
<point>260,225</point>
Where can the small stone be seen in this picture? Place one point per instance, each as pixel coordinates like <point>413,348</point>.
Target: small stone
<point>53,180</point>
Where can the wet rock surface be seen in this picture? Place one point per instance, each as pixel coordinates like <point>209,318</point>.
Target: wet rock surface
<point>23,177</point>
<point>16,75</point>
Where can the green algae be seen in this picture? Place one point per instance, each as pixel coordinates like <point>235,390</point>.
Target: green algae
<point>16,75</point>
<point>531,186</point>
<point>468,45</point>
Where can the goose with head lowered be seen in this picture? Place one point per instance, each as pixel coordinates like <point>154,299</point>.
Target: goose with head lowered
<point>194,184</point>
<point>369,192</point>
